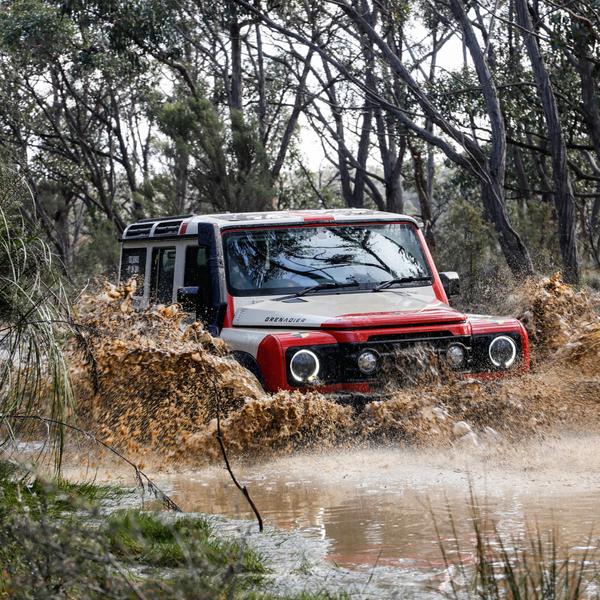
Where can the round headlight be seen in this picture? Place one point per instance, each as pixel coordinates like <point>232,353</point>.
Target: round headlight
<point>367,362</point>
<point>456,355</point>
<point>503,351</point>
<point>304,365</point>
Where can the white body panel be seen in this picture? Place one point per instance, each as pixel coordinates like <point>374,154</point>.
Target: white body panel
<point>314,310</point>
<point>247,340</point>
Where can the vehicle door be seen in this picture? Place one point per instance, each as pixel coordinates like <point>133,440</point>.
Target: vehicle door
<point>196,294</point>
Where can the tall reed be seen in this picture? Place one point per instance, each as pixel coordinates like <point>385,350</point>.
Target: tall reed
<point>34,321</point>
<point>532,565</point>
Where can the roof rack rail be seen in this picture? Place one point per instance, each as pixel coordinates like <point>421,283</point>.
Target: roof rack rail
<point>152,219</point>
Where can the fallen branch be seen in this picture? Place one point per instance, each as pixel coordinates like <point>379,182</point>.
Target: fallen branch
<point>240,487</point>
<point>144,482</point>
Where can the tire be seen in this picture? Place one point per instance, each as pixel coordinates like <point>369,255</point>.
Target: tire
<point>248,362</point>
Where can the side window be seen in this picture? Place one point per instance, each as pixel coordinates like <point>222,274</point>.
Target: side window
<point>161,276</point>
<point>133,264</point>
<point>196,264</point>
<point>197,285</point>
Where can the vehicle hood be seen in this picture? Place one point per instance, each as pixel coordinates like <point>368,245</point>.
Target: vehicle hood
<point>349,310</point>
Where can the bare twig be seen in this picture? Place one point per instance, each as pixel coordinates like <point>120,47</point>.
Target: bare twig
<point>240,487</point>
<point>145,483</point>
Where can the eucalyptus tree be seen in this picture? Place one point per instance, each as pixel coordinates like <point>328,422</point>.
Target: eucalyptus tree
<point>237,92</point>
<point>563,191</point>
<point>486,163</point>
<point>72,119</point>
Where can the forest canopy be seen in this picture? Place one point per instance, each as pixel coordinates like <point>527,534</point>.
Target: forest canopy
<point>481,118</point>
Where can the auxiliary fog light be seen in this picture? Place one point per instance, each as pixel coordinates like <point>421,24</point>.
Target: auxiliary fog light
<point>304,366</point>
<point>367,361</point>
<point>456,355</point>
<point>502,351</point>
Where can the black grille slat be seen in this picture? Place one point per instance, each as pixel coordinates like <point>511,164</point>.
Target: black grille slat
<point>143,229</point>
<point>411,337</point>
<point>139,230</point>
<point>436,343</point>
<point>167,228</point>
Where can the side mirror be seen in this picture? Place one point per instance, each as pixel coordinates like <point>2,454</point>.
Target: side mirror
<point>188,298</point>
<point>451,283</point>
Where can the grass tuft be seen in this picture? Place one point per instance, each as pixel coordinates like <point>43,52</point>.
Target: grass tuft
<point>144,538</point>
<point>530,566</point>
<point>24,492</point>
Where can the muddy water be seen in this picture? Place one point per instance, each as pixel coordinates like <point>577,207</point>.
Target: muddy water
<point>376,508</point>
<point>151,387</point>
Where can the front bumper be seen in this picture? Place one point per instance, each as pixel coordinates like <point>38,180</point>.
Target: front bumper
<point>338,350</point>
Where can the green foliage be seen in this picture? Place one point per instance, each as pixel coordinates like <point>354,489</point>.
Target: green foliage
<point>229,166</point>
<point>536,224</point>
<point>98,252</point>
<point>51,545</point>
<point>36,29</point>
<point>465,242</point>
<point>23,492</point>
<point>144,538</point>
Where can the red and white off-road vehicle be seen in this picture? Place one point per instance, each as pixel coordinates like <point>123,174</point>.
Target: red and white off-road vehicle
<point>318,299</point>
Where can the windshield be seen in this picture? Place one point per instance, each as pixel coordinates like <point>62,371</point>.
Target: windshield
<point>278,261</point>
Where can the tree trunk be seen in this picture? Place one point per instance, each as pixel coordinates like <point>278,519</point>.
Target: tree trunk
<point>511,244</point>
<point>336,113</point>
<point>590,101</point>
<point>421,185</point>
<point>522,179</point>
<point>394,195</point>
<point>358,197</point>
<point>563,192</point>
<point>515,252</point>
<point>235,88</point>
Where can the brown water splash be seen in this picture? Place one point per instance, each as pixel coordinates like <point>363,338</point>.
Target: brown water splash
<point>281,423</point>
<point>154,373</point>
<point>553,312</point>
<point>159,379</point>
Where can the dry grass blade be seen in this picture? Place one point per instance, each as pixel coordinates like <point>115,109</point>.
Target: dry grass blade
<point>535,567</point>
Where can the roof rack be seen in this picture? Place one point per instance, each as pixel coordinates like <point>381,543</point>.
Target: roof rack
<point>168,226</point>
<point>153,219</point>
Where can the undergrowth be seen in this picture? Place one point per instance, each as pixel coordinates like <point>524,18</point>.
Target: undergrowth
<point>146,539</point>
<point>56,542</point>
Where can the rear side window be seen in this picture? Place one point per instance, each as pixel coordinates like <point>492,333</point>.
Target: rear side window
<point>196,262</point>
<point>162,274</point>
<point>133,264</point>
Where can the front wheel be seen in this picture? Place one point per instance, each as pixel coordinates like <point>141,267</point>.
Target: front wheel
<point>248,362</point>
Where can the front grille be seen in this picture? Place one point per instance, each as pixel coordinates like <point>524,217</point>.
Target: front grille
<point>411,337</point>
<point>437,341</point>
<point>339,360</point>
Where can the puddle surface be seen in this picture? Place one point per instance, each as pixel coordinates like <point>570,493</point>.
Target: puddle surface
<point>374,508</point>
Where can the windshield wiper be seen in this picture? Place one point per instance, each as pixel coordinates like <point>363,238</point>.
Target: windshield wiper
<point>329,285</point>
<point>386,284</point>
